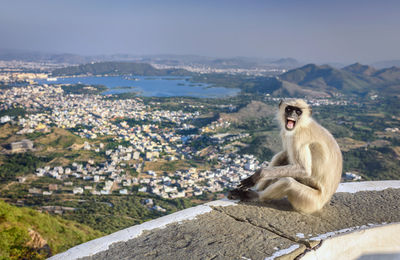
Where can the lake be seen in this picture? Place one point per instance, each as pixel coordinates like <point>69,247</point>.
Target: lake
<point>150,86</point>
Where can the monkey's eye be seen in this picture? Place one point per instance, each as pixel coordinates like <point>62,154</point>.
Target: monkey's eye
<point>288,109</point>
<point>298,112</point>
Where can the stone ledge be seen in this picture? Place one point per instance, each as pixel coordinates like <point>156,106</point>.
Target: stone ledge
<point>227,229</point>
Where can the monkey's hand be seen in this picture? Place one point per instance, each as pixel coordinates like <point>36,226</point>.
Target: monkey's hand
<point>250,181</point>
<point>239,194</point>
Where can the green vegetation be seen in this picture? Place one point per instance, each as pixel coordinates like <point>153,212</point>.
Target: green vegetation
<point>373,163</point>
<point>8,85</point>
<point>127,95</point>
<point>369,150</point>
<point>83,89</point>
<point>28,234</point>
<point>19,164</point>
<point>253,124</point>
<point>59,147</point>
<point>18,111</point>
<point>58,138</point>
<point>204,120</point>
<point>172,166</point>
<point>118,68</point>
<point>259,148</point>
<point>133,122</point>
<point>247,84</point>
<point>112,212</point>
<point>4,85</point>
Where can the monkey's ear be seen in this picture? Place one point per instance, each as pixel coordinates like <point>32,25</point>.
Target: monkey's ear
<point>280,103</point>
<point>310,109</point>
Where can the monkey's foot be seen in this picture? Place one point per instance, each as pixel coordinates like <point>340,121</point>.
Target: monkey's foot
<point>240,194</point>
<point>250,181</point>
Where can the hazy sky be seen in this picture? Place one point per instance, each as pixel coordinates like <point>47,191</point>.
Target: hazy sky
<point>316,31</point>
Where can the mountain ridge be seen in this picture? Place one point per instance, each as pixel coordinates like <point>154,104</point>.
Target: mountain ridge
<point>352,79</point>
<point>164,59</point>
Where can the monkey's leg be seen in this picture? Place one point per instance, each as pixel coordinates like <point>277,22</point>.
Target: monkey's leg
<point>263,183</point>
<point>277,190</point>
<point>302,197</point>
<point>266,181</point>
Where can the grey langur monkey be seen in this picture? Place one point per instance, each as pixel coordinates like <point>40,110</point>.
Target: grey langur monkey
<point>307,170</point>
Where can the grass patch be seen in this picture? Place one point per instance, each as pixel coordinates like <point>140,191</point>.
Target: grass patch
<point>17,226</point>
<point>172,166</point>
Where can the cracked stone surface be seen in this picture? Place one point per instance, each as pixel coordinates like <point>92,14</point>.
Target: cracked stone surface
<point>258,230</point>
<point>344,211</point>
<point>210,236</point>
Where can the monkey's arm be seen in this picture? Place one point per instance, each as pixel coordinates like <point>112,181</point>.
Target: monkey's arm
<point>249,195</point>
<point>279,159</point>
<point>301,168</point>
<point>293,170</point>
<point>265,176</point>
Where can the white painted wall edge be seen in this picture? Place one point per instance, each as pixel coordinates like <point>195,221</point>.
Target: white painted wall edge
<point>376,241</point>
<point>353,187</point>
<point>101,244</point>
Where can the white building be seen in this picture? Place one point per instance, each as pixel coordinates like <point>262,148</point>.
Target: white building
<point>77,190</point>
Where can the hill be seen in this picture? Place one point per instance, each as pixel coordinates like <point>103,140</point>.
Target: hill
<point>294,90</point>
<point>353,79</point>
<point>36,56</point>
<point>391,74</point>
<point>360,69</point>
<point>286,63</point>
<point>255,109</point>
<point>325,78</point>
<point>118,68</point>
<point>28,234</point>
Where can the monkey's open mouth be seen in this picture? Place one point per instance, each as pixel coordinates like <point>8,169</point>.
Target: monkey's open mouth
<point>290,123</point>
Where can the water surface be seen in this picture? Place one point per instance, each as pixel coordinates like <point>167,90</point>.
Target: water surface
<point>154,86</point>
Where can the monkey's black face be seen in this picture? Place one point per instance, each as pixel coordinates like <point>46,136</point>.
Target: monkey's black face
<point>292,116</point>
